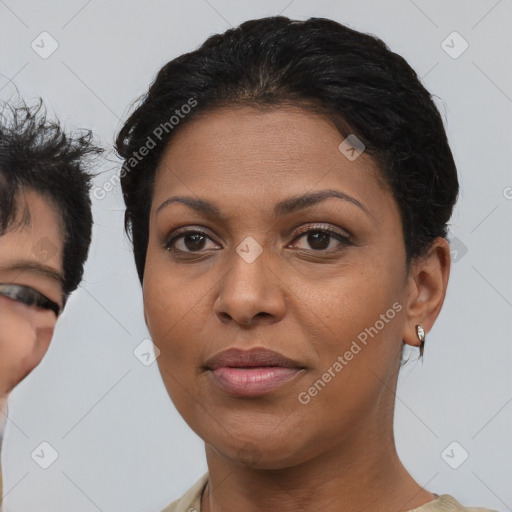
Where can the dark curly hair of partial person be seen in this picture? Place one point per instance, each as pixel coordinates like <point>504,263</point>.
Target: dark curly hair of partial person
<point>36,154</point>
<point>319,64</point>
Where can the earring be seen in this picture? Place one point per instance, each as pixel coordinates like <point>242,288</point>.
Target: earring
<point>421,336</point>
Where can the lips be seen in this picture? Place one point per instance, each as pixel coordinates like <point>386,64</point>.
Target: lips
<point>237,358</point>
<point>252,372</point>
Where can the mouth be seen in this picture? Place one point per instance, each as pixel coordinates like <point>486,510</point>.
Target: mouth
<point>255,372</point>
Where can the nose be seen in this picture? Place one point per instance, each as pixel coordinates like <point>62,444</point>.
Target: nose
<point>250,293</point>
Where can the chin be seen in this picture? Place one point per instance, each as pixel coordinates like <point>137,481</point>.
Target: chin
<point>267,453</point>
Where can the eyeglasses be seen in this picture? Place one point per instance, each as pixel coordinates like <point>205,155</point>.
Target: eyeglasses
<point>29,296</point>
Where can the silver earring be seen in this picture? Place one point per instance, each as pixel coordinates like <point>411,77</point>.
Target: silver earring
<point>421,336</point>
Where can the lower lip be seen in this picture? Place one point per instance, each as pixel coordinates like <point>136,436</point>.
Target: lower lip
<point>252,381</point>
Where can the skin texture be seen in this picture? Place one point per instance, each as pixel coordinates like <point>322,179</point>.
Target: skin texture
<point>26,332</point>
<point>303,299</point>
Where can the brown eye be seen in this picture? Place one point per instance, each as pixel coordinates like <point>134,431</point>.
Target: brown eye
<point>320,239</point>
<point>189,241</point>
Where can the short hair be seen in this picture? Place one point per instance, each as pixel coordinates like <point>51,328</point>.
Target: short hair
<point>351,77</point>
<point>36,154</point>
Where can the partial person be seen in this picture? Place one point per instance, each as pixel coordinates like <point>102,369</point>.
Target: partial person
<point>45,233</point>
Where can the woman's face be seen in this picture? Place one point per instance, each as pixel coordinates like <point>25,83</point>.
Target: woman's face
<point>320,281</point>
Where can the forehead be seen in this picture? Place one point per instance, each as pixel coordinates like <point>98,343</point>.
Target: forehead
<point>36,236</point>
<point>236,154</point>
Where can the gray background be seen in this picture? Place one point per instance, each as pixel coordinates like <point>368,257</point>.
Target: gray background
<point>120,443</point>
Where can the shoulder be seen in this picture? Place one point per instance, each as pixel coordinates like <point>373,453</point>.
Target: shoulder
<point>447,503</point>
<point>191,500</point>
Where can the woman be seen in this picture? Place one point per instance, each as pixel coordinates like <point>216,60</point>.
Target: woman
<point>288,187</point>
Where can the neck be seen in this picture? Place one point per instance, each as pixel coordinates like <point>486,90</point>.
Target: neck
<point>358,475</point>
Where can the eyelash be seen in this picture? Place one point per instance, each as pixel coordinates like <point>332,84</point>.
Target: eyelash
<point>344,240</point>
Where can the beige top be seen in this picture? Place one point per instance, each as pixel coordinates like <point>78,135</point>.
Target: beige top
<point>3,416</point>
<point>191,502</point>
<point>1,489</point>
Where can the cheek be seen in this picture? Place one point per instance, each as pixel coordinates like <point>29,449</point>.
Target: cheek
<point>172,310</point>
<point>174,318</point>
<point>357,332</point>
<point>24,339</point>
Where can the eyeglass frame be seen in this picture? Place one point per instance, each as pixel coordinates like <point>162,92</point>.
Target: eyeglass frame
<point>30,297</point>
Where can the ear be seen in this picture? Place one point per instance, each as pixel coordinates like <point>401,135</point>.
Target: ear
<point>428,281</point>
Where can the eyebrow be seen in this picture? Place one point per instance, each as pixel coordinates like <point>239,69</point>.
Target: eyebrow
<point>282,208</point>
<point>34,267</point>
